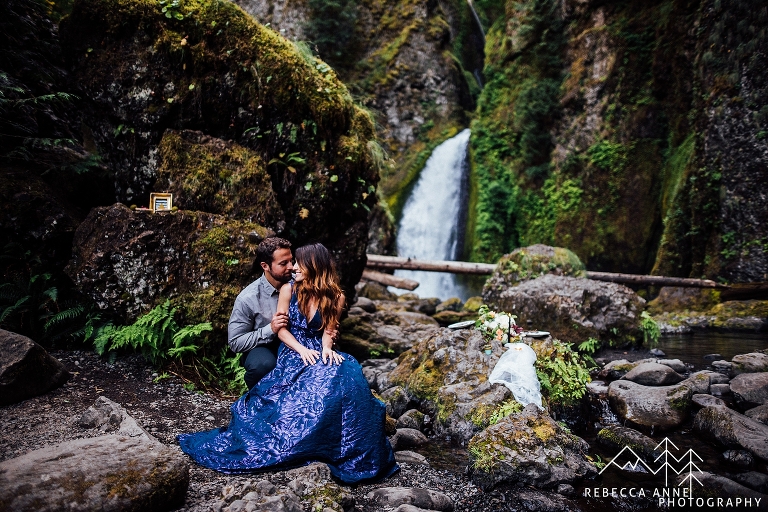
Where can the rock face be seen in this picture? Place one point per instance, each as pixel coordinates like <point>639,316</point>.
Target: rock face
<point>302,162</point>
<point>26,369</point>
<point>127,261</point>
<point>571,308</point>
<point>530,262</point>
<point>679,171</point>
<point>528,448</point>
<point>733,430</point>
<point>111,473</point>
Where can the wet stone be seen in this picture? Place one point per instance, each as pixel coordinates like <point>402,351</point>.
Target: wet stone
<point>739,458</point>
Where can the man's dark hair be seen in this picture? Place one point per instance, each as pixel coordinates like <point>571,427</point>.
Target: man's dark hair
<point>266,249</point>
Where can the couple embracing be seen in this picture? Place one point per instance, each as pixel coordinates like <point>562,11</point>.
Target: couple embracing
<point>307,402</point>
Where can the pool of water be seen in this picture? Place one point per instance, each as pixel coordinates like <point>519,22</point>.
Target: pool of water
<point>691,348</point>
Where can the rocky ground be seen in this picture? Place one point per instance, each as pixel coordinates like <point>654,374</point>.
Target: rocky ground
<point>166,409</point>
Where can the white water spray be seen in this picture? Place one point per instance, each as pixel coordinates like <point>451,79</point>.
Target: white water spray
<point>430,225</point>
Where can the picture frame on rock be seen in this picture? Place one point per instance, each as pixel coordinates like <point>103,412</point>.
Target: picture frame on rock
<point>160,201</point>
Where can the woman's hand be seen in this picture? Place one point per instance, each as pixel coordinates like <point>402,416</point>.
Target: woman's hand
<point>331,356</point>
<point>307,355</point>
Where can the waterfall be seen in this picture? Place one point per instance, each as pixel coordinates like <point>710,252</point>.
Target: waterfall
<point>432,223</point>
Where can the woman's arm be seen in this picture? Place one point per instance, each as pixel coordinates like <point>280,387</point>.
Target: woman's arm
<point>330,355</point>
<point>307,355</point>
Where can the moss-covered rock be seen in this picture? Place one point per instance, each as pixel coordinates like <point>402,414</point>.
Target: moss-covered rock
<point>528,448</point>
<point>127,261</point>
<point>747,315</point>
<point>572,309</point>
<point>528,263</point>
<point>211,67</point>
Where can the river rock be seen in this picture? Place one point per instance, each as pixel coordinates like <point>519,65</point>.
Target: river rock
<point>598,388</point>
<point>718,378</point>
<point>719,486</point>
<point>724,367</point>
<point>675,364</point>
<point>411,418</point>
<point>572,308</point>
<point>422,498</point>
<point>653,374</point>
<point>750,389</point>
<point>657,352</point>
<point>110,473</point>
<point>754,480</point>
<point>538,501</point>
<point>392,329</point>
<point>529,448</point>
<point>410,457</point>
<point>759,413</point>
<point>658,407</point>
<point>365,304</point>
<point>397,400</point>
<point>260,495</point>
<point>616,437</point>
<point>376,372</point>
<point>720,389</point>
<point>739,458</point>
<point>733,430</point>
<point>26,369</point>
<point>618,368</point>
<point>407,438</point>
<point>375,291</point>
<point>108,415</point>
<point>314,484</point>
<point>703,400</point>
<point>750,363</point>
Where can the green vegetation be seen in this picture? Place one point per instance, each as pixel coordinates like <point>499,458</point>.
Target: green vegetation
<point>650,328</point>
<point>505,409</point>
<point>330,27</point>
<point>563,374</point>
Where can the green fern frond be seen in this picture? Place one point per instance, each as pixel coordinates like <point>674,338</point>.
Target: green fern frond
<point>64,316</point>
<point>7,312</point>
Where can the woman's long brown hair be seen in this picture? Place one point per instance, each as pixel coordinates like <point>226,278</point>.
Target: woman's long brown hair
<point>320,283</point>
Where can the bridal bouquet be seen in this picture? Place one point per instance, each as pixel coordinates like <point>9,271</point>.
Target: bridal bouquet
<point>499,326</point>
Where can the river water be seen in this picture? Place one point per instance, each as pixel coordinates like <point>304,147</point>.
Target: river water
<point>433,219</point>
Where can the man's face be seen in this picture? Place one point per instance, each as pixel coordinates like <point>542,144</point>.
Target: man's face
<point>281,267</point>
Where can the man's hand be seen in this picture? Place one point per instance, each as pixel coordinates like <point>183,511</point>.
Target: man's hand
<point>279,321</point>
<point>333,333</point>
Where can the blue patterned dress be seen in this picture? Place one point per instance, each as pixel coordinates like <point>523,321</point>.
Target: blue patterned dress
<point>300,414</point>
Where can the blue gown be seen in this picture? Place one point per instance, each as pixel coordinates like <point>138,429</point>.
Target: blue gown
<point>300,414</point>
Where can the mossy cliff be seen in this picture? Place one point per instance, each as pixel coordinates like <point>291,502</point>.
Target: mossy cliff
<point>411,63</point>
<point>633,133</point>
<point>302,161</point>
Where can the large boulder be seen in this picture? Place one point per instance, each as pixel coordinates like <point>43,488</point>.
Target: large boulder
<point>529,448</point>
<point>109,473</point>
<point>448,373</point>
<point>733,430</point>
<point>719,486</point>
<point>749,363</point>
<point>26,369</point>
<point>127,261</point>
<point>650,407</point>
<point>572,308</point>
<point>526,263</point>
<point>750,389</point>
<point>653,374</point>
<point>616,437</point>
<point>303,160</point>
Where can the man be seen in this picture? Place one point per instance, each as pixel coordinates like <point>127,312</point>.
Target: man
<point>254,319</point>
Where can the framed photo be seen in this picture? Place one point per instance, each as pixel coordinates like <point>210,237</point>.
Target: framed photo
<point>160,202</point>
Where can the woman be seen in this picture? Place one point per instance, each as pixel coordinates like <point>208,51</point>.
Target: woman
<point>304,411</point>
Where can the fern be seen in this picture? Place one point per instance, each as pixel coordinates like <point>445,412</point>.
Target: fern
<point>156,335</point>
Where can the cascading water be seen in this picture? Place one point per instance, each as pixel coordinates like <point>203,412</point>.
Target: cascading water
<point>431,224</point>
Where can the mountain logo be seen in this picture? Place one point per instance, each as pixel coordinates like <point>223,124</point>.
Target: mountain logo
<point>668,463</point>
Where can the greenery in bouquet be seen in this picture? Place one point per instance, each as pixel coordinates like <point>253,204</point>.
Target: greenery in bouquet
<point>497,325</point>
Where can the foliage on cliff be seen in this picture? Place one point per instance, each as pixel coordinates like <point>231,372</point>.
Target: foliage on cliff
<point>628,132</point>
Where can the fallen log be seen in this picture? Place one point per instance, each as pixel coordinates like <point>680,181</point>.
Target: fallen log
<point>653,280</point>
<point>376,261</point>
<point>390,280</point>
